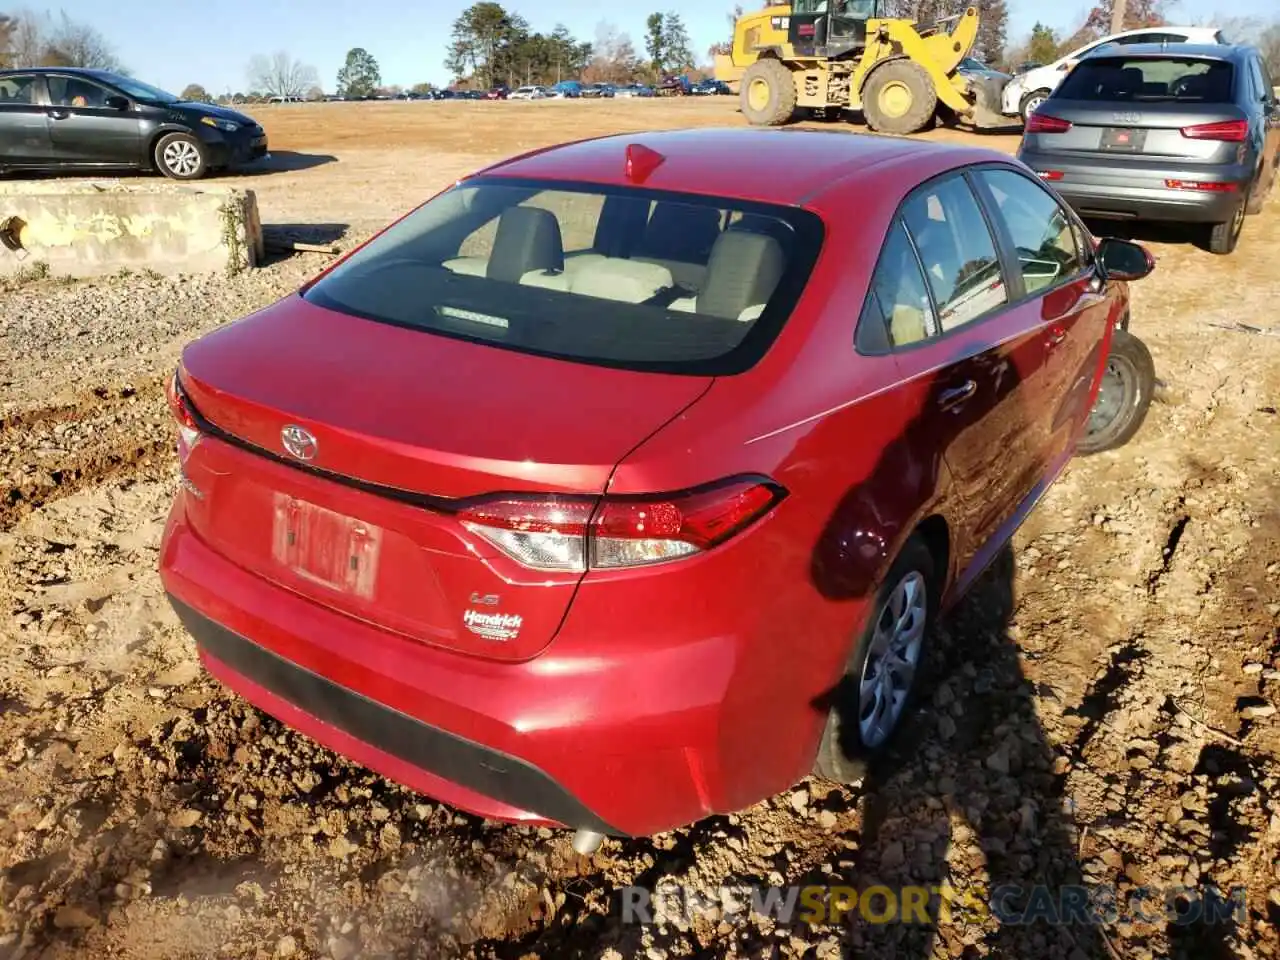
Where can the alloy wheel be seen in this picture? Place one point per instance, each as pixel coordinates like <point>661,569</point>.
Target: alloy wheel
<point>181,157</point>
<point>889,671</point>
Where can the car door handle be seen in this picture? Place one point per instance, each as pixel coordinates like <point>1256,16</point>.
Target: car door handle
<point>955,398</point>
<point>1056,337</point>
<point>59,114</point>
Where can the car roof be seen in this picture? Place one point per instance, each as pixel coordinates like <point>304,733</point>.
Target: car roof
<point>1213,51</point>
<point>81,71</point>
<point>784,166</point>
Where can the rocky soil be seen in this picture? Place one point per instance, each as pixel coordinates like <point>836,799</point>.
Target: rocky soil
<point>1103,708</point>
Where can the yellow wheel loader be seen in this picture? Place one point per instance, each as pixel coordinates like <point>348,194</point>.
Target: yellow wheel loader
<point>834,55</point>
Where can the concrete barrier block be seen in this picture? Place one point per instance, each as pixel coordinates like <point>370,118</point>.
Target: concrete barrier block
<point>84,229</point>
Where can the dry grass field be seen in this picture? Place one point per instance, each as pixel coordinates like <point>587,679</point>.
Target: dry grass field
<point>1117,727</point>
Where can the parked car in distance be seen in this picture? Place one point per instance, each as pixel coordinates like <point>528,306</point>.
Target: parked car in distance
<point>1176,132</point>
<point>634,90</point>
<point>532,92</point>
<point>598,90</point>
<point>973,67</point>
<point>673,86</point>
<point>498,93</point>
<point>566,89</point>
<point>711,87</point>
<point>1026,91</point>
<point>56,118</point>
<point>585,614</point>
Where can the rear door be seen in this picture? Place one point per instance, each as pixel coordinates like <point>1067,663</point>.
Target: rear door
<point>24,129</point>
<point>1059,278</point>
<point>971,356</point>
<point>84,129</point>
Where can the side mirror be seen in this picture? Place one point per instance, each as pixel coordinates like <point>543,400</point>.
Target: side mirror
<point>1125,260</point>
<point>117,103</point>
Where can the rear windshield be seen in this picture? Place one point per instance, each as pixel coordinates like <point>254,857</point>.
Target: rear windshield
<point>622,277</point>
<point>1149,80</point>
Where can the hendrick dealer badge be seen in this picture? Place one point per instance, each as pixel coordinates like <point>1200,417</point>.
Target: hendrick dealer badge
<point>493,626</point>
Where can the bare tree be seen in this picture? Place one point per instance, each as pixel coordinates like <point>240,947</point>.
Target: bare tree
<point>281,76</point>
<point>31,39</point>
<point>71,44</point>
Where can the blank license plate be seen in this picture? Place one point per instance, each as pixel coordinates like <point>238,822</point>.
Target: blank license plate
<point>325,547</point>
<point>1123,139</point>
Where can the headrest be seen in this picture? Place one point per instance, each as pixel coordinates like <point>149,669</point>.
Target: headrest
<point>528,239</point>
<point>681,231</point>
<point>742,272</point>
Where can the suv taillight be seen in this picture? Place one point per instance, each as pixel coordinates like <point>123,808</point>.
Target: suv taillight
<point>1043,123</point>
<point>1228,131</point>
<point>562,533</point>
<point>180,408</point>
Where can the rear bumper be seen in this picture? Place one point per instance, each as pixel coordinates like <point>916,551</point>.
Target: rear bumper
<point>656,723</point>
<point>378,736</point>
<point>1143,195</point>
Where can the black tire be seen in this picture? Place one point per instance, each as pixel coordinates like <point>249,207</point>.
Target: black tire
<point>1128,384</point>
<point>1225,237</point>
<point>1031,100</point>
<point>180,156</point>
<point>773,89</point>
<point>911,116</point>
<point>844,753</point>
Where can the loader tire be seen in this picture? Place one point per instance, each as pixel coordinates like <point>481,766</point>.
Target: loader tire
<point>899,98</point>
<point>768,94</point>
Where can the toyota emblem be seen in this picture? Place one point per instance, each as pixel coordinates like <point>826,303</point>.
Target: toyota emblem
<point>299,442</point>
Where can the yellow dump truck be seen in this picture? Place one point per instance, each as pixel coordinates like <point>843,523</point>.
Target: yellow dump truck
<point>841,55</point>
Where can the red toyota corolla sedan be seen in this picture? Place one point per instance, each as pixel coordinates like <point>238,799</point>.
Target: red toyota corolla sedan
<point>570,497</point>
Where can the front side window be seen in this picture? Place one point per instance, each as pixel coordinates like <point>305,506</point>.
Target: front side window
<point>608,275</point>
<point>77,92</point>
<point>1043,233</point>
<point>957,251</point>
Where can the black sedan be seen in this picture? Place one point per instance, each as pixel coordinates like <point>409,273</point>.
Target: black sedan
<point>1175,132</point>
<point>65,118</point>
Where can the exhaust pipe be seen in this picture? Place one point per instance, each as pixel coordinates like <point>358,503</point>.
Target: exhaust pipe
<point>587,842</point>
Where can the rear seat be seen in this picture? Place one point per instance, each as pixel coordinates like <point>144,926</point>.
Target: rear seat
<point>528,249</point>
<point>742,274</point>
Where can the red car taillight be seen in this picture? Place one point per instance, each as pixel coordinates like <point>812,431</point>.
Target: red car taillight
<point>180,407</point>
<point>555,533</point>
<point>1043,123</point>
<point>1229,131</point>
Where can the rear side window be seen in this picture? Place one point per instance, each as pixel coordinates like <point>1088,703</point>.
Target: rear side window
<point>1150,80</point>
<point>957,251</point>
<point>899,302</point>
<point>18,90</point>
<point>1043,234</point>
<point>614,276</point>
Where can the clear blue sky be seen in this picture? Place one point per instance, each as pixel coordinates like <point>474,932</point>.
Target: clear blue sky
<point>210,43</point>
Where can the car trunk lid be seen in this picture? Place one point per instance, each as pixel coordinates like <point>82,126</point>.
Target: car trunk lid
<point>340,448</point>
<point>1137,133</point>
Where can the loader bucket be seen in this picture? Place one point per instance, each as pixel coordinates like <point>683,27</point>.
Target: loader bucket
<point>987,96</point>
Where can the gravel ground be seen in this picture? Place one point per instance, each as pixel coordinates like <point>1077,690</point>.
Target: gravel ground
<point>1103,706</point>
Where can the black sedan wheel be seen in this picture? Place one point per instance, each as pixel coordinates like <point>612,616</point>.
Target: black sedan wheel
<point>180,156</point>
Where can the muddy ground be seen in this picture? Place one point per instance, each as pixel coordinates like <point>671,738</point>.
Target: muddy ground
<point>1112,717</point>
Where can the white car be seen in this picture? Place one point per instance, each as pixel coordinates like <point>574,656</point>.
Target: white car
<point>529,93</point>
<point>1027,91</point>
